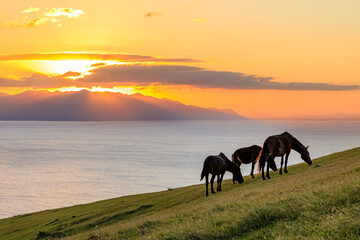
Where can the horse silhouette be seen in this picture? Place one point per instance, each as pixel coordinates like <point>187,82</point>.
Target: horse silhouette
<point>248,155</point>
<point>280,145</point>
<point>217,165</point>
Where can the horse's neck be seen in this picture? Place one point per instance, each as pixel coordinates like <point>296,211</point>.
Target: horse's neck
<point>229,166</point>
<point>296,145</point>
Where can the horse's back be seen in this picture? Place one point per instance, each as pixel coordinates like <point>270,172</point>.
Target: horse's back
<point>278,144</point>
<point>256,149</point>
<point>247,154</point>
<point>216,164</point>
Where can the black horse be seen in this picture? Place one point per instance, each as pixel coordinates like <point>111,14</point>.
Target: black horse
<point>217,165</point>
<point>280,145</point>
<point>248,155</point>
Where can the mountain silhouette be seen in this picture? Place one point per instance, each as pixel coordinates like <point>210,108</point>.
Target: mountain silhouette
<point>101,106</point>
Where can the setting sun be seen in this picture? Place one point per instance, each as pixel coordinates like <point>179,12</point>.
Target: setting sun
<point>60,67</point>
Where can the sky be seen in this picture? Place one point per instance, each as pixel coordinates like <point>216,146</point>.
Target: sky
<point>263,59</point>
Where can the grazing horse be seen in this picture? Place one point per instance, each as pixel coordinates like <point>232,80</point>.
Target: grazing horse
<point>248,155</point>
<point>217,165</point>
<point>280,145</point>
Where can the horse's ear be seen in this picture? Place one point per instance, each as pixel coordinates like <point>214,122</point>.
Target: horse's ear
<point>307,147</point>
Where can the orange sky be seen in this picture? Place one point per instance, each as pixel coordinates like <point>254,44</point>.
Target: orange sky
<point>259,58</point>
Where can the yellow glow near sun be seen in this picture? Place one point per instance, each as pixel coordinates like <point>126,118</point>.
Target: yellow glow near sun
<point>120,89</point>
<point>60,67</point>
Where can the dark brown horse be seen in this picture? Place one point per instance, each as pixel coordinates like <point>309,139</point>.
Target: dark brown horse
<point>217,165</point>
<point>248,155</point>
<point>280,145</point>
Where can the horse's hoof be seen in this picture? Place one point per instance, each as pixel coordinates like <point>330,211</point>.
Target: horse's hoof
<point>219,190</point>
<point>286,171</point>
<point>213,192</point>
<point>207,195</point>
<point>280,173</point>
<point>252,176</point>
<point>268,177</point>
<point>264,179</point>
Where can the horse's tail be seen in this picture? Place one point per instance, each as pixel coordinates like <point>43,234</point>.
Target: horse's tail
<point>258,157</point>
<point>204,170</point>
<point>233,157</point>
<point>262,156</point>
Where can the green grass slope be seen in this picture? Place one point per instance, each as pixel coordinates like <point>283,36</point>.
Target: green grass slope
<point>320,201</point>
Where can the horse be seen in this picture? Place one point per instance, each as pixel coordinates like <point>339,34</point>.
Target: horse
<point>278,146</point>
<point>248,155</point>
<point>217,165</point>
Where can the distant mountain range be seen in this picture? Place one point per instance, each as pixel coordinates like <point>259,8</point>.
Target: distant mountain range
<point>97,106</point>
<point>334,117</point>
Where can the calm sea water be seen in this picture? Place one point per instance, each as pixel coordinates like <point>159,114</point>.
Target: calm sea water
<point>47,165</point>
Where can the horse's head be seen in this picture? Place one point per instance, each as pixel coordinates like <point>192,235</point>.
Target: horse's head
<point>238,176</point>
<point>273,166</point>
<point>306,156</point>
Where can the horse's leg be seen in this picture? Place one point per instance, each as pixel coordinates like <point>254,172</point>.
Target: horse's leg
<point>268,166</point>
<point>252,169</point>
<point>267,170</point>
<point>262,171</point>
<point>286,160</point>
<point>218,183</point>
<point>263,167</point>
<point>282,162</point>
<point>221,178</point>
<point>212,183</point>
<point>207,183</point>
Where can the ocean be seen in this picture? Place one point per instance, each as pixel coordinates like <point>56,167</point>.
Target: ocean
<point>45,165</point>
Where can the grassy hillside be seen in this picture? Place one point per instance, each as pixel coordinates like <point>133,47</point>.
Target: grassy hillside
<point>321,201</point>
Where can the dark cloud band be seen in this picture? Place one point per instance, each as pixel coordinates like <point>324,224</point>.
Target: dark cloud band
<point>199,77</point>
<point>145,75</point>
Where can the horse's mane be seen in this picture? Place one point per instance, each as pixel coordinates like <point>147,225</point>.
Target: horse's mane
<point>287,134</point>
<point>293,139</point>
<point>223,156</point>
<point>231,166</point>
<point>297,142</point>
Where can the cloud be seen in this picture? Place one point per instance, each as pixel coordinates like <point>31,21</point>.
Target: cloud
<point>153,14</point>
<point>101,64</point>
<point>51,15</point>
<point>91,56</point>
<point>36,22</point>
<point>70,74</point>
<point>198,20</point>
<point>146,75</point>
<point>31,9</point>
<point>68,12</point>
<point>198,77</point>
<point>37,81</point>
